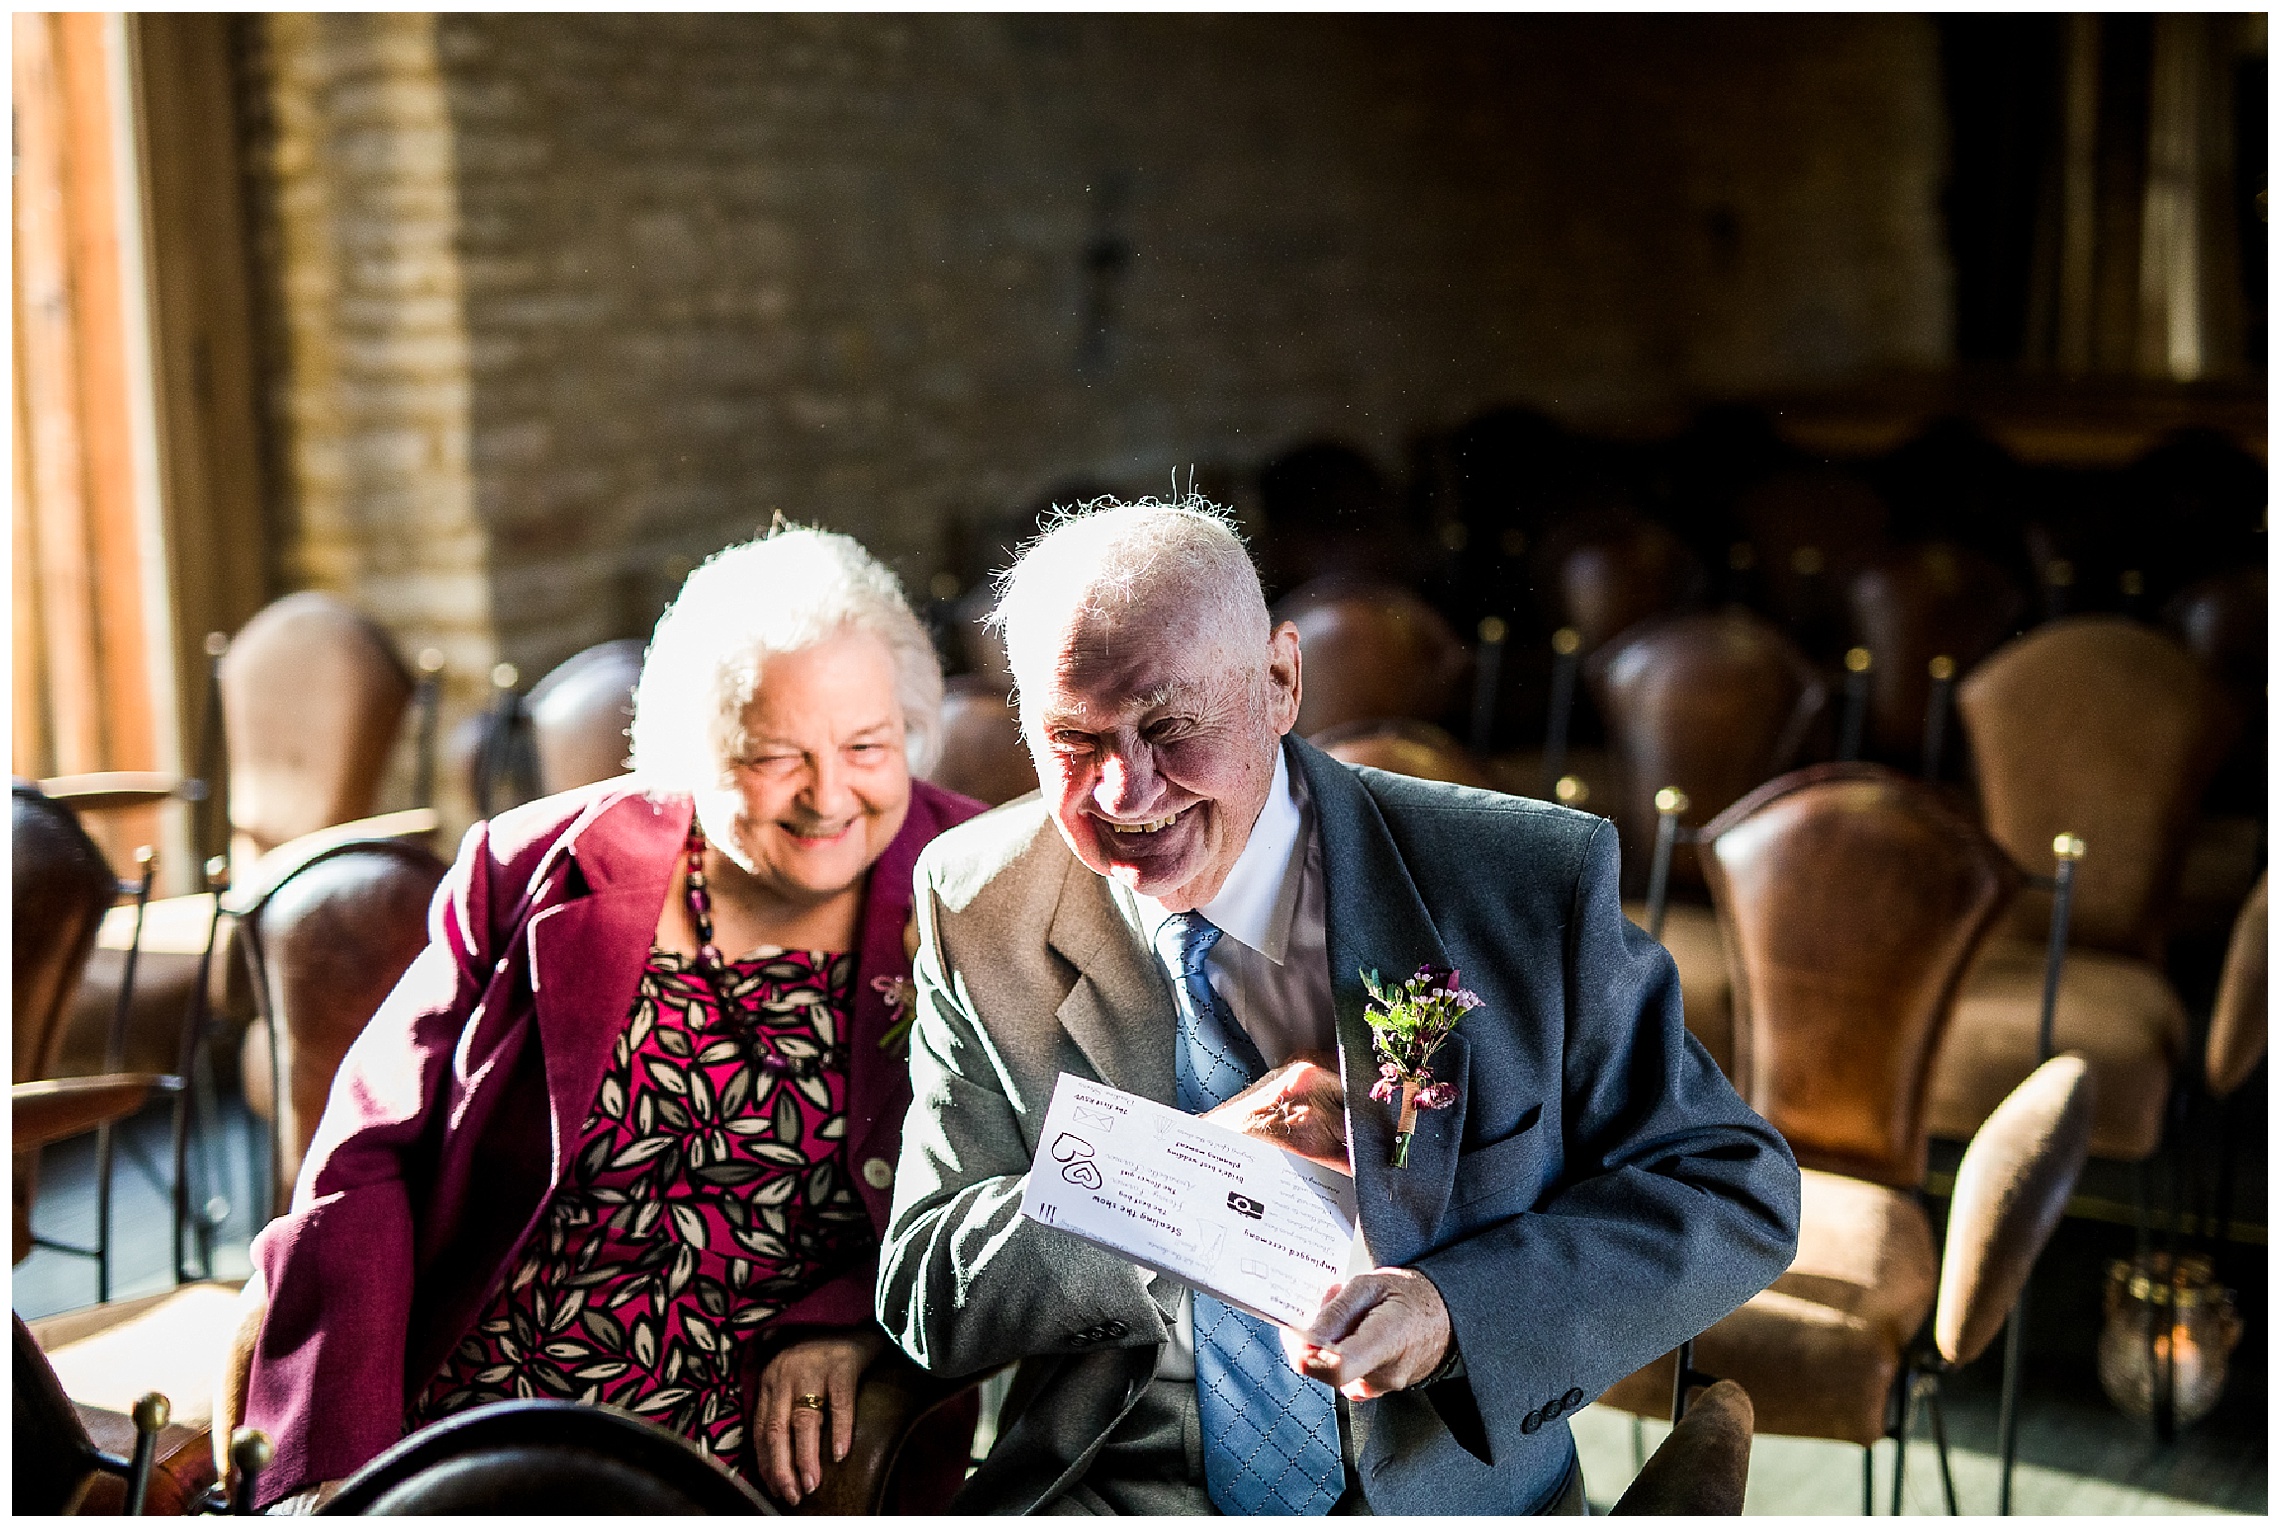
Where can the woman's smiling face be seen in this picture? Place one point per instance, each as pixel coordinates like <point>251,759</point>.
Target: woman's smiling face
<point>823,782</point>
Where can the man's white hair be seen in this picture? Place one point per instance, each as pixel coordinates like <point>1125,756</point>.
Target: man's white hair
<point>1101,557</point>
<point>785,592</point>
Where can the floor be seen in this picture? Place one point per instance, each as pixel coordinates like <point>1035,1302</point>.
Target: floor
<point>2078,1454</point>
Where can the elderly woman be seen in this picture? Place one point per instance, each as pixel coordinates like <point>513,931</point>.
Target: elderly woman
<point>625,1132</point>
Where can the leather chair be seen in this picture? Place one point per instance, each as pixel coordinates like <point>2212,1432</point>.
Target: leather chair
<point>1703,1468</point>
<point>1614,580</point>
<point>983,755</point>
<point>1371,651</point>
<point>2106,729</point>
<point>1712,705</point>
<point>1934,600</point>
<point>545,1457</point>
<point>1810,531</point>
<point>1853,901</point>
<point>2239,1029</point>
<point>579,714</point>
<point>62,890</point>
<point>313,696</point>
<point>73,1459</point>
<point>327,927</point>
<point>2223,619</point>
<point>1402,747</point>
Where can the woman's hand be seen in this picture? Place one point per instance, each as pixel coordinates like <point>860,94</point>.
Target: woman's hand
<point>788,1442</point>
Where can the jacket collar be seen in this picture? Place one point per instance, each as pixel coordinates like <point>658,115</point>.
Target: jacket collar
<point>1378,921</point>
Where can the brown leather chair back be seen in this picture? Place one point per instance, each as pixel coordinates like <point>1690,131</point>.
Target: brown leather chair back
<point>1418,749</point>
<point>2098,726</point>
<point>1851,900</point>
<point>1371,651</point>
<point>579,714</point>
<point>2239,1025</point>
<point>982,752</point>
<point>62,887</point>
<point>1916,604</point>
<point>330,937</point>
<point>312,696</point>
<point>1812,530</point>
<point>1613,581</point>
<point>1714,704</point>
<point>2223,618</point>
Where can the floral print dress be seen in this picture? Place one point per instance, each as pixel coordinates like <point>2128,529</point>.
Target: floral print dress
<point>709,1191</point>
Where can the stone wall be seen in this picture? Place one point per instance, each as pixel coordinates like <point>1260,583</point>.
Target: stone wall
<point>569,301</point>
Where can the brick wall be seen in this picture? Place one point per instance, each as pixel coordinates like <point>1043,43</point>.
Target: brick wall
<point>572,300</point>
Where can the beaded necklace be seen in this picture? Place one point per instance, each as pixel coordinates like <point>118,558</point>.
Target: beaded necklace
<point>758,1046</point>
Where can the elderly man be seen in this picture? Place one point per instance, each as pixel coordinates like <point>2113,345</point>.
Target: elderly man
<point>1185,914</point>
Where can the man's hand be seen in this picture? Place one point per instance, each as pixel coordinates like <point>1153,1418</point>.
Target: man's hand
<point>1299,1106</point>
<point>1390,1330</point>
<point>788,1445</point>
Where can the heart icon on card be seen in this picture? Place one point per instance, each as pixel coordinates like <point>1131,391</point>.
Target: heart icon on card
<point>1070,1147</point>
<point>1082,1173</point>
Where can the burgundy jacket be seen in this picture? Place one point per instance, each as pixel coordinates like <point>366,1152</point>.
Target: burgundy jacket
<point>458,1110</point>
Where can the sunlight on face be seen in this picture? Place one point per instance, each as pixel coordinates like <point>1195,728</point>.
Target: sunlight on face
<point>823,783</point>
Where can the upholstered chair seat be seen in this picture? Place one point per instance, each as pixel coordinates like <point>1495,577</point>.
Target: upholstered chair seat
<point>1819,1350</point>
<point>2117,1012</point>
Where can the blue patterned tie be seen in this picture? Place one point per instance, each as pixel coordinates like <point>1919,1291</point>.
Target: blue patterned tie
<point>1270,1435</point>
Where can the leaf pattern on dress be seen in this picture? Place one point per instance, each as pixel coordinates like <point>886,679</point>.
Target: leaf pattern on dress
<point>705,1196</point>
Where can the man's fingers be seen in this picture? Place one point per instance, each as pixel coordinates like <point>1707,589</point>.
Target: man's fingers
<point>1342,1307</point>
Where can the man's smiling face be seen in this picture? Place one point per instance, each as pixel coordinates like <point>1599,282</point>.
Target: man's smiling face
<point>1155,736</point>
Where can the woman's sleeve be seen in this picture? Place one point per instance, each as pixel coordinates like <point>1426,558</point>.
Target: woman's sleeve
<point>327,1375</point>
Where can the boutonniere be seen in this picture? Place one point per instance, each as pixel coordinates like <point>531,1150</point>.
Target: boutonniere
<point>1408,1022</point>
<point>899,991</point>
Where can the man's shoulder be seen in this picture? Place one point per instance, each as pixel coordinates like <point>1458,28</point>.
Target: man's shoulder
<point>1008,848</point>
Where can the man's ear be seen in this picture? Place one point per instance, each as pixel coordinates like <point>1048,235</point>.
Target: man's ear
<point>1283,682</point>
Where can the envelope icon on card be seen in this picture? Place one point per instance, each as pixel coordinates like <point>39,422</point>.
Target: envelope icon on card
<point>1067,1147</point>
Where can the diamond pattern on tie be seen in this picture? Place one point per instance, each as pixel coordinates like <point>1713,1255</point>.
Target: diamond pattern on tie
<point>1270,1433</point>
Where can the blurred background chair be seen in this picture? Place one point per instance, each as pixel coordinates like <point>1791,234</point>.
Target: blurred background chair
<point>1853,900</point>
<point>2239,1030</point>
<point>326,933</point>
<point>1371,651</point>
<point>1404,748</point>
<point>1710,705</point>
<point>2102,728</point>
<point>1910,606</point>
<point>579,714</point>
<point>1809,531</point>
<point>983,755</point>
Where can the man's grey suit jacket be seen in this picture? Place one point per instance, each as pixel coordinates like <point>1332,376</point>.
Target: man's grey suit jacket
<point>1596,1194</point>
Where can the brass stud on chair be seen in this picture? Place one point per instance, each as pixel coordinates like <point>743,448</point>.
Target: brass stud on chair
<point>431,660</point>
<point>1942,668</point>
<point>1571,791</point>
<point>1859,660</point>
<point>2069,846</point>
<point>1492,629</point>
<point>217,643</point>
<point>1670,801</point>
<point>153,1412</point>
<point>1806,561</point>
<point>250,1454</point>
<point>1566,641</point>
<point>505,676</point>
<point>2059,573</point>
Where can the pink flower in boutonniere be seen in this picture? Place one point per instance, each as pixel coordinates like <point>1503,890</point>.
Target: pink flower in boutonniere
<point>1407,1023</point>
<point>901,994</point>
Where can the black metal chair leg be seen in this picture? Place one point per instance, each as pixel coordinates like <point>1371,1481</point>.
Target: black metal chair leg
<point>1938,1410</point>
<point>1488,674</point>
<point>1868,1480</point>
<point>105,1148</point>
<point>2007,1419</point>
<point>1567,646</point>
<point>1638,1443</point>
<point>1900,1436</point>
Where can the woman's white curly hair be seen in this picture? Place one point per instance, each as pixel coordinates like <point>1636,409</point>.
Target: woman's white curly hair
<point>788,590</point>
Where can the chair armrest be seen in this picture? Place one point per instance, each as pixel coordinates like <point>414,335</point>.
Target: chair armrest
<point>272,868</point>
<point>58,1108</point>
<point>2010,1190</point>
<point>1703,1467</point>
<point>895,1396</point>
<point>111,789</point>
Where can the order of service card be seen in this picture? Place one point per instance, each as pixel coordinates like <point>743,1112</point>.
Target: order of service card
<point>1237,1217</point>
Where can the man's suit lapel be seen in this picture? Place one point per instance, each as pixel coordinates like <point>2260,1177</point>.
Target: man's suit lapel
<point>1378,922</point>
<point>1120,1010</point>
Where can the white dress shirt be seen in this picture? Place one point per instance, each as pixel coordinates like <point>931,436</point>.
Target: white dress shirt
<point>1271,966</point>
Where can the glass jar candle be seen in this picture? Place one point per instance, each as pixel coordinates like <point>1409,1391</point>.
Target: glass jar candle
<point>2167,1328</point>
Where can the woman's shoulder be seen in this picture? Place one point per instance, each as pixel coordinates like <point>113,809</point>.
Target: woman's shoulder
<point>591,818</point>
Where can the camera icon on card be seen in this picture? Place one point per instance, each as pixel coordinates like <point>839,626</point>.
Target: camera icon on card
<point>1244,1204</point>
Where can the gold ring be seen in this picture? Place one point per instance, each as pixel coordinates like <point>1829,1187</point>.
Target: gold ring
<point>811,1401</point>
